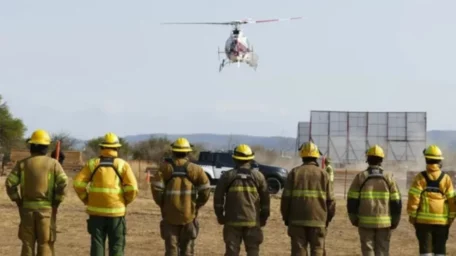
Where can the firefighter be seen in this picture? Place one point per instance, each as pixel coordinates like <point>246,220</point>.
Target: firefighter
<point>308,204</point>
<point>329,169</point>
<point>112,188</point>
<point>180,188</point>
<point>43,187</point>
<point>374,205</point>
<point>431,204</point>
<point>241,204</point>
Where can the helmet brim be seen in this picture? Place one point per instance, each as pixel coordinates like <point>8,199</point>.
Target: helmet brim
<point>434,157</point>
<point>182,150</point>
<point>38,142</point>
<point>115,145</point>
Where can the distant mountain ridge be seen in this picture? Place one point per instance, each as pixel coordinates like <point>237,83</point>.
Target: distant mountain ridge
<point>444,138</point>
<point>224,141</point>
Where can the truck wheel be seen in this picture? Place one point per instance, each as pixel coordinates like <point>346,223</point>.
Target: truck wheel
<point>274,185</point>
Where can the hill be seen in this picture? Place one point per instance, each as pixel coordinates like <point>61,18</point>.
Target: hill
<point>223,141</point>
<point>445,139</point>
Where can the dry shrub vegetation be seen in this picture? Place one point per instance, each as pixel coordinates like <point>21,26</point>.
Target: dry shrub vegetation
<point>143,237</point>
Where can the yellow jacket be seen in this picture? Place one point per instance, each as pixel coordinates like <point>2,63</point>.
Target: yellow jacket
<point>42,181</point>
<point>180,198</point>
<point>432,207</point>
<point>108,194</point>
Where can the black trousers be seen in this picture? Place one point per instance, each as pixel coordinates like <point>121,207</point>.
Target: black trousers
<point>432,238</point>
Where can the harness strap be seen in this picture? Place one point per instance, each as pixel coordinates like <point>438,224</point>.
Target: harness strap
<point>433,185</point>
<point>106,162</point>
<point>178,171</point>
<point>242,174</point>
<point>374,173</point>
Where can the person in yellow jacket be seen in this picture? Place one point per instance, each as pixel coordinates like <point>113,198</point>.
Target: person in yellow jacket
<point>329,169</point>
<point>43,187</point>
<point>431,204</point>
<point>308,203</point>
<point>241,204</point>
<point>374,205</point>
<point>180,188</point>
<point>112,186</point>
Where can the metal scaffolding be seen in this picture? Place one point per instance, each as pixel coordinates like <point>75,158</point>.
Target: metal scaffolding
<point>345,136</point>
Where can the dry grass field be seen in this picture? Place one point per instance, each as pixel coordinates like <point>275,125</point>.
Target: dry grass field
<point>143,236</point>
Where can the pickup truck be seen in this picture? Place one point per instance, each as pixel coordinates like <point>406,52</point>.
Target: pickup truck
<point>215,163</point>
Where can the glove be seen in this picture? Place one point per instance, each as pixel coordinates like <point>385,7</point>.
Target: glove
<point>354,222</point>
<point>221,220</point>
<point>18,203</point>
<point>394,226</point>
<point>412,220</point>
<point>262,222</point>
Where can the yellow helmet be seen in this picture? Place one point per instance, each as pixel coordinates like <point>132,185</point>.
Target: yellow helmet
<point>40,137</point>
<point>375,150</point>
<point>433,152</point>
<point>243,152</point>
<point>309,149</point>
<point>181,145</point>
<point>110,141</point>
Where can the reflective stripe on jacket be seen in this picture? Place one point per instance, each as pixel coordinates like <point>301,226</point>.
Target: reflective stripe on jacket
<point>432,207</point>
<point>308,197</point>
<point>42,181</point>
<point>106,194</point>
<point>182,196</point>
<point>241,197</point>
<point>378,203</point>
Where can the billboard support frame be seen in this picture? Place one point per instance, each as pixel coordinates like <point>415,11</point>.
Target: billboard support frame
<point>402,135</point>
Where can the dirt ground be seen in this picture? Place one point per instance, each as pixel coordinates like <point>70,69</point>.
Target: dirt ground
<point>143,236</point>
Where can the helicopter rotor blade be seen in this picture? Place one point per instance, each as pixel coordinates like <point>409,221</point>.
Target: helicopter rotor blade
<point>232,23</point>
<point>199,23</point>
<point>250,21</point>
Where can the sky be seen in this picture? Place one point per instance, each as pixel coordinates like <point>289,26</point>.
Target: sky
<point>89,67</point>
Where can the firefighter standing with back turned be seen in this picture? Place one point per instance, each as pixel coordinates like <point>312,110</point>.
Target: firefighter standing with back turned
<point>241,204</point>
<point>307,205</point>
<point>180,188</point>
<point>43,186</point>
<point>329,169</point>
<point>431,204</point>
<point>374,205</point>
<point>112,188</point>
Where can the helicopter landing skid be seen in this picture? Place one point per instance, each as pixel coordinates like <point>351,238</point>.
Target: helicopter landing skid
<point>222,65</point>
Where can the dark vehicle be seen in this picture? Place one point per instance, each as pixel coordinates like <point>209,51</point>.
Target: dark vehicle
<point>215,163</point>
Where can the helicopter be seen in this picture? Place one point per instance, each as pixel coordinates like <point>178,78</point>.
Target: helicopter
<point>237,48</point>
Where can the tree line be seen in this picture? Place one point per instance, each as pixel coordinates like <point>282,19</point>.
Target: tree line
<point>13,129</point>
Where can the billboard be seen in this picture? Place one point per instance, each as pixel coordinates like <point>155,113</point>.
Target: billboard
<point>345,136</point>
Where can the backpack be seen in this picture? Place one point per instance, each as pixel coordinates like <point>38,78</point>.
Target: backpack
<point>106,162</point>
